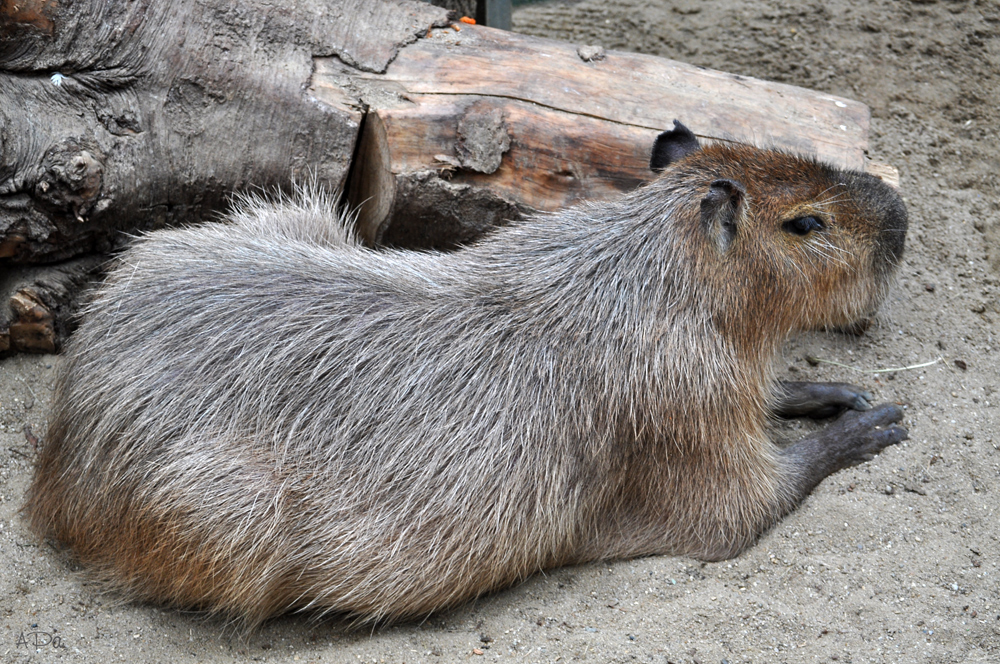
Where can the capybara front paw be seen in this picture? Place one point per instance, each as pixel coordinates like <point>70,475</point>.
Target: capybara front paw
<point>858,436</point>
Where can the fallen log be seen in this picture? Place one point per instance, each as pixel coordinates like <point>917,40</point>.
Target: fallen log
<point>125,115</point>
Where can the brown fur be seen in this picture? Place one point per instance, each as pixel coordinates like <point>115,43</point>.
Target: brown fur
<point>263,416</point>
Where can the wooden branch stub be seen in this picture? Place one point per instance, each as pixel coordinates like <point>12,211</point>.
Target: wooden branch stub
<point>33,330</point>
<point>37,304</point>
<point>533,124</point>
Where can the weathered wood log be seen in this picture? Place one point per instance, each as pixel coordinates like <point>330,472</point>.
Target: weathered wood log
<point>471,125</point>
<point>123,115</point>
<point>129,115</point>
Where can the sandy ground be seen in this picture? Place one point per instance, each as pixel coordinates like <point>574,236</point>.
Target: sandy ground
<point>892,561</point>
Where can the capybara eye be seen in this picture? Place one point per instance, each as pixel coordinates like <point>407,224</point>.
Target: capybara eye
<point>803,225</point>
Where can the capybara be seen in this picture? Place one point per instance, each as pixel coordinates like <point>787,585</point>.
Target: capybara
<point>262,415</point>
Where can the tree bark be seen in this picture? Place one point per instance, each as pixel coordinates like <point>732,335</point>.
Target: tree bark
<point>129,115</point>
<point>125,115</point>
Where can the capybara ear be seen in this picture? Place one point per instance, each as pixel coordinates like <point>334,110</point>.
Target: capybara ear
<point>720,210</point>
<point>671,145</point>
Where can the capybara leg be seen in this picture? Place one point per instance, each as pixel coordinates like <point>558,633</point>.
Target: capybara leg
<point>855,437</point>
<point>819,400</point>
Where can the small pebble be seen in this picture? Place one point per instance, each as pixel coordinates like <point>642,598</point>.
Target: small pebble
<point>591,53</point>
<point>687,8</point>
